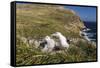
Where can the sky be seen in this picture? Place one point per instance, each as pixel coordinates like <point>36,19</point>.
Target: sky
<point>85,13</point>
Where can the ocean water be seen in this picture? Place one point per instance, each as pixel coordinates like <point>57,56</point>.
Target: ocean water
<point>92,33</point>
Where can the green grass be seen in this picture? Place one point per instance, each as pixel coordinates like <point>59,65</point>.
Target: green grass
<point>38,21</point>
<point>76,53</point>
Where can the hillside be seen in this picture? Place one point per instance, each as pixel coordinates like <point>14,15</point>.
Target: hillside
<point>36,21</point>
<point>43,20</point>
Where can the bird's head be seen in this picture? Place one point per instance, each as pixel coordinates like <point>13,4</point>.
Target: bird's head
<point>47,38</point>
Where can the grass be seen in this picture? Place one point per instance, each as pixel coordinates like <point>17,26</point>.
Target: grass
<point>38,21</point>
<point>76,53</point>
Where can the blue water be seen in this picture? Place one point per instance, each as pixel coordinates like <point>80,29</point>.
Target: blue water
<point>92,33</point>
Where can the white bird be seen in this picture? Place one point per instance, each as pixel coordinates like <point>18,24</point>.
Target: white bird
<point>49,46</point>
<point>62,39</point>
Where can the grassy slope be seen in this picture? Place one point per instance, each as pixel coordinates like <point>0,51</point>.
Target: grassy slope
<point>39,21</point>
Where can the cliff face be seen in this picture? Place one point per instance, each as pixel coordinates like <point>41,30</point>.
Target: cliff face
<point>38,21</point>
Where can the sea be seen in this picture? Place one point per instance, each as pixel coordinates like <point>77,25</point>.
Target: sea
<point>92,32</point>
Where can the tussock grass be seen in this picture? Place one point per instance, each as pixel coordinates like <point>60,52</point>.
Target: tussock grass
<point>76,53</point>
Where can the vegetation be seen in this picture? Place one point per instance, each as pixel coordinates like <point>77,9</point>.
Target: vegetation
<point>37,21</point>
